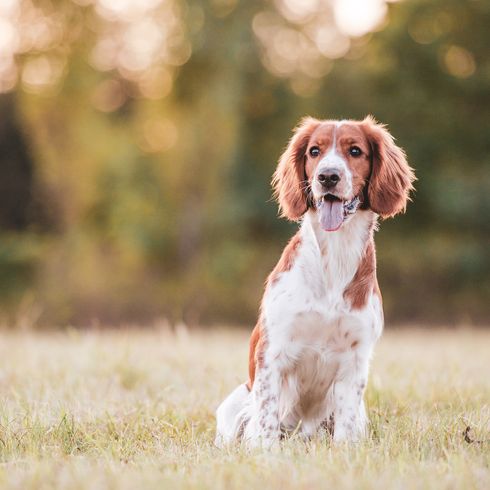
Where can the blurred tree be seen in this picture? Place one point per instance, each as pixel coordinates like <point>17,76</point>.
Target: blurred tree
<point>151,129</point>
<point>16,171</point>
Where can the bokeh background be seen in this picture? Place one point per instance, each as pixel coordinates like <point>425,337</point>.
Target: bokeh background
<point>138,139</point>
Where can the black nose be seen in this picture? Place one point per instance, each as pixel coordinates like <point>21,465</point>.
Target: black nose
<point>329,178</point>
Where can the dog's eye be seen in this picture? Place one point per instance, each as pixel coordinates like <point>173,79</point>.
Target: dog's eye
<point>314,151</point>
<point>355,151</point>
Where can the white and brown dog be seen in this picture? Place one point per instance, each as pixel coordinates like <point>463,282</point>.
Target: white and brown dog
<point>321,313</point>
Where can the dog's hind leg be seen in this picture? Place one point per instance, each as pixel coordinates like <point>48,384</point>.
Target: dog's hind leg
<point>230,416</point>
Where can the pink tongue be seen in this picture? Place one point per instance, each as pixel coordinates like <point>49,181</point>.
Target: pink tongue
<point>331,215</point>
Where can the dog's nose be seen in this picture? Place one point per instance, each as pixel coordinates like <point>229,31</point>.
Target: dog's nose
<point>329,178</point>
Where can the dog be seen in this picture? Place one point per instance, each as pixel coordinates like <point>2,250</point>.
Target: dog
<point>321,313</point>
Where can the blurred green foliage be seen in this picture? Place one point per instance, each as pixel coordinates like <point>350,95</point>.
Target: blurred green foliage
<point>131,193</point>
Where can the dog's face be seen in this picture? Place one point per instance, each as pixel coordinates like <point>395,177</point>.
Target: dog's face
<point>337,167</point>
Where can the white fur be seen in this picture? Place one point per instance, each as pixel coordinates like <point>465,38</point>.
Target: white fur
<point>332,160</point>
<point>318,348</point>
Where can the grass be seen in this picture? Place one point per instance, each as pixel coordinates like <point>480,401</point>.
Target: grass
<point>135,409</point>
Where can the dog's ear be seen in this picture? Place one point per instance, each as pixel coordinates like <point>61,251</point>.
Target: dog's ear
<point>289,180</point>
<point>391,177</point>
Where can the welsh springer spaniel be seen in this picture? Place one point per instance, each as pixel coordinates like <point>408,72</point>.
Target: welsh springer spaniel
<point>321,312</point>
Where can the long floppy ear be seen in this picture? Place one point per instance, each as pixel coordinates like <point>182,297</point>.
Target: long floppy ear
<point>391,177</point>
<point>289,180</point>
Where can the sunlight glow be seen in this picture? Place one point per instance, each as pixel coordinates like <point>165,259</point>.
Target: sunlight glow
<point>42,72</point>
<point>146,40</point>
<point>459,62</point>
<point>133,37</point>
<point>358,17</point>
<point>301,37</point>
<point>299,11</point>
<point>158,135</point>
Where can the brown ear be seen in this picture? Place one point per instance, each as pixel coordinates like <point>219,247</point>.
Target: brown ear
<point>289,180</point>
<point>391,176</point>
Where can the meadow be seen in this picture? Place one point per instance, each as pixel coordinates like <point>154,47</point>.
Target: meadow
<point>134,408</point>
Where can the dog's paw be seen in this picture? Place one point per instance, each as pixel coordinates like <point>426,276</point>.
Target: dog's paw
<point>263,443</point>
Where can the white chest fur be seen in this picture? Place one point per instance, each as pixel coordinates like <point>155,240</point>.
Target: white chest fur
<point>310,296</point>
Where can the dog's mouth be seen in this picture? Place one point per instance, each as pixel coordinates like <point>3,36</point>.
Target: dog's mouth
<point>333,211</point>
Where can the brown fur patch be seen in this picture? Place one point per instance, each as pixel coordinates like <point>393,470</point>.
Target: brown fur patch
<point>289,178</point>
<point>256,352</point>
<point>287,259</point>
<point>391,177</point>
<point>364,281</point>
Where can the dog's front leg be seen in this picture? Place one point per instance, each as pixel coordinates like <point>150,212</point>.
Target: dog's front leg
<point>349,414</point>
<point>264,427</point>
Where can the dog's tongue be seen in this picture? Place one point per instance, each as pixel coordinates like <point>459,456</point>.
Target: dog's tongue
<point>331,214</point>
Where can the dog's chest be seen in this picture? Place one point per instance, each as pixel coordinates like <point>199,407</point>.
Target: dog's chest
<point>307,315</point>
<point>317,340</point>
<point>311,294</point>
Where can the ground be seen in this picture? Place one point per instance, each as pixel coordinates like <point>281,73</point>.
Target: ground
<point>135,409</point>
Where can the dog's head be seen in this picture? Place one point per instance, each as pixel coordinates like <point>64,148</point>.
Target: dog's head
<point>338,167</point>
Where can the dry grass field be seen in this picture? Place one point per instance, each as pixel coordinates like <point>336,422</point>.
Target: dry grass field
<point>135,409</point>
